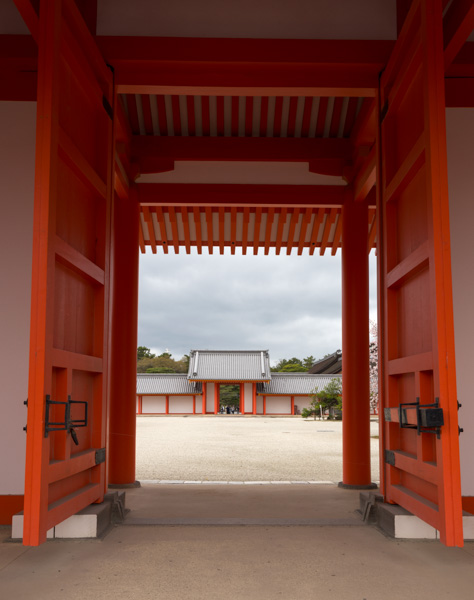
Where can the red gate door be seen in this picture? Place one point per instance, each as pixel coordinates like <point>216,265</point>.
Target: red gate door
<point>65,468</point>
<point>420,442</point>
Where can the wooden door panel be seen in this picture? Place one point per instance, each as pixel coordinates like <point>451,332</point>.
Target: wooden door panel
<point>65,468</point>
<point>421,463</point>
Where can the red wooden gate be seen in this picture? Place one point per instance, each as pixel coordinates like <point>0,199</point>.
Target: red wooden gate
<point>420,442</point>
<point>65,468</point>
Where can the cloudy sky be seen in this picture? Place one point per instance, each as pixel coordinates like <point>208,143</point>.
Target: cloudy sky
<point>290,305</point>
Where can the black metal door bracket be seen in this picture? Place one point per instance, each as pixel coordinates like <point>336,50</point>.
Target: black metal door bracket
<point>68,424</point>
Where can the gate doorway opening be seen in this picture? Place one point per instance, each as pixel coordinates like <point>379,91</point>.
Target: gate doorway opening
<point>230,395</point>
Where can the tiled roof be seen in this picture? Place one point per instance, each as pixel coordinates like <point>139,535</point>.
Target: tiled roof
<point>295,383</point>
<point>166,383</point>
<point>329,364</point>
<point>229,365</point>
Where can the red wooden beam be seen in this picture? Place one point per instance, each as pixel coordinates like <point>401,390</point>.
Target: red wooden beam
<point>233,228</point>
<point>365,126</point>
<point>187,235</point>
<point>29,11</point>
<point>148,150</point>
<point>174,228</point>
<point>291,231</point>
<point>304,226</point>
<point>281,224</point>
<point>209,228</point>
<point>318,219</point>
<point>221,229</point>
<point>327,230</point>
<point>151,229</point>
<point>161,222</point>
<point>256,230</point>
<point>245,67</point>
<point>268,229</point>
<point>243,195</point>
<point>365,179</point>
<point>197,225</point>
<point>458,23</point>
<point>245,229</point>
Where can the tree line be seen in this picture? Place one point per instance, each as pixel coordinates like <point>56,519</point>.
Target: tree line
<point>147,362</point>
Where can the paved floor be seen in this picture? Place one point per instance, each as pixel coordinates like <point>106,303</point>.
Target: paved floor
<point>235,448</point>
<point>338,559</point>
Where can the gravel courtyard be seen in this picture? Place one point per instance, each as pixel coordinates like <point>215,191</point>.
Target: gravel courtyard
<point>232,448</point>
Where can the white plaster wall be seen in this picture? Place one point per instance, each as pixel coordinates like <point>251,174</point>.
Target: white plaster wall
<point>209,397</point>
<point>302,402</point>
<point>248,398</point>
<point>259,405</point>
<point>460,136</point>
<point>278,405</point>
<point>154,404</point>
<point>17,156</point>
<point>181,404</point>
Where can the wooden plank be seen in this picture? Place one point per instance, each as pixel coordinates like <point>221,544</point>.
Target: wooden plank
<point>66,468</point>
<point>291,231</point>
<point>76,261</point>
<point>411,364</point>
<point>407,170</point>
<point>304,227</point>
<point>72,503</point>
<point>162,224</point>
<point>73,157</point>
<point>151,228</point>
<point>78,362</point>
<point>256,230</point>
<point>409,266</point>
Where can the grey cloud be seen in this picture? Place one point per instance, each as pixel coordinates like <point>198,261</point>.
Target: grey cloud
<point>290,305</point>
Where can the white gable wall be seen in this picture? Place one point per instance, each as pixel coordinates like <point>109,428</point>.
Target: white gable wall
<point>17,161</point>
<point>460,136</point>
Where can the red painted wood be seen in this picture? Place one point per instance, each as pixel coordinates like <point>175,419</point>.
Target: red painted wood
<point>240,149</point>
<point>415,298</point>
<point>124,323</point>
<point>355,341</point>
<point>70,295</point>
<point>243,195</point>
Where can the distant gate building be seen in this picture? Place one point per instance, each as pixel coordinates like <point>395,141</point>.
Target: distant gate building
<point>261,391</point>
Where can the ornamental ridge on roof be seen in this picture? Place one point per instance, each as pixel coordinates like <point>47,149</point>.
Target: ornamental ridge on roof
<point>229,365</point>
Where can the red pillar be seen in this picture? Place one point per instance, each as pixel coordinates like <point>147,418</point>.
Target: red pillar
<point>123,350</point>
<point>216,398</point>
<point>264,405</point>
<point>355,346</point>
<point>204,400</point>
<point>254,398</point>
<point>241,399</point>
<point>292,405</point>
<point>167,405</point>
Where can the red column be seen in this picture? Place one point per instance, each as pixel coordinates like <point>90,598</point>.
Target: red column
<point>264,405</point>
<point>241,399</point>
<point>292,405</point>
<point>216,398</point>
<point>194,404</point>
<point>140,405</point>
<point>204,397</point>
<point>254,398</point>
<point>355,346</point>
<point>123,348</point>
<point>167,409</point>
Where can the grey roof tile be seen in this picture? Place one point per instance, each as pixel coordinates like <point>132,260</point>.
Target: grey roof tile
<point>166,383</point>
<point>229,365</point>
<point>295,383</point>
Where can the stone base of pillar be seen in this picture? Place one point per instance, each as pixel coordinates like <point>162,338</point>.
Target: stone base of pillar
<point>119,486</point>
<point>348,486</point>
